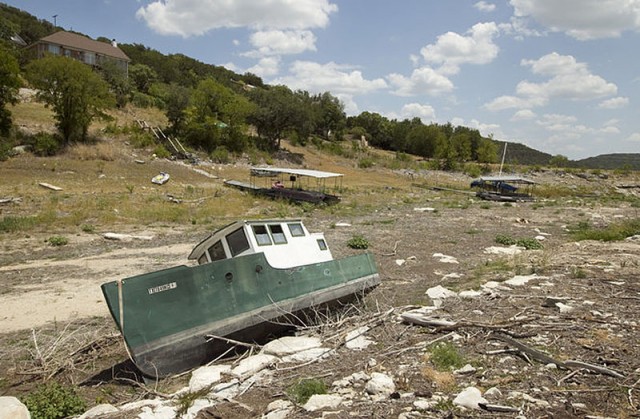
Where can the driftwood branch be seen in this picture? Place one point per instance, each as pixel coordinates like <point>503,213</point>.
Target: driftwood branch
<point>232,342</point>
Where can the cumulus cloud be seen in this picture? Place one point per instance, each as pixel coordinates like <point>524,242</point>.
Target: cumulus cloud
<point>633,138</point>
<point>582,19</point>
<point>567,79</point>
<point>196,17</point>
<point>266,67</point>
<point>338,79</point>
<point>523,115</point>
<point>426,113</point>
<point>423,81</point>
<point>280,43</point>
<point>483,6</point>
<point>452,49</point>
<point>614,103</point>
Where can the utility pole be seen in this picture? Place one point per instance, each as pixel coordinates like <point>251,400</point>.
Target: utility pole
<point>55,22</point>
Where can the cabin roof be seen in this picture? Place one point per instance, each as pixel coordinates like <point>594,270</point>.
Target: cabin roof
<point>510,179</point>
<point>299,172</point>
<point>233,226</point>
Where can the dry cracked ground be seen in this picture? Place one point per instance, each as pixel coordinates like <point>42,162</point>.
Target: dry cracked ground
<point>569,301</point>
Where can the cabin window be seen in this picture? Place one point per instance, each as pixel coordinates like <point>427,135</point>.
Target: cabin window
<point>278,234</point>
<point>262,235</point>
<point>216,252</point>
<point>202,259</point>
<point>237,242</point>
<point>322,244</point>
<point>296,230</point>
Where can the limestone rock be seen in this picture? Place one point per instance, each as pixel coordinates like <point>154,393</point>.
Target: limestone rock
<point>322,401</point>
<point>12,408</point>
<point>205,376</point>
<point>470,398</point>
<point>290,344</point>
<point>380,384</point>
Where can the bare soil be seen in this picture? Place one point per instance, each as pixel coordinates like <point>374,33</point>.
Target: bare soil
<point>54,323</point>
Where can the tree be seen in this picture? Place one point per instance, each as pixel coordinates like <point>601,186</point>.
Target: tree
<point>76,94</point>
<point>559,161</point>
<point>276,111</point>
<point>118,81</point>
<point>216,117</point>
<point>9,84</point>
<point>142,76</point>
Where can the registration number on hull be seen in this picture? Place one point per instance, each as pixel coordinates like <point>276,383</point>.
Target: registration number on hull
<point>161,288</point>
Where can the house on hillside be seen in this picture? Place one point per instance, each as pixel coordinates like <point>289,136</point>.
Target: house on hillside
<point>80,48</point>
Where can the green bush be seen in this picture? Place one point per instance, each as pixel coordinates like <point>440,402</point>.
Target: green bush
<point>527,243</point>
<point>445,356</point>
<point>358,242</point>
<point>302,391</point>
<point>220,155</point>
<point>45,144</point>
<point>161,152</point>
<point>365,163</point>
<point>57,241</point>
<point>613,232</point>
<point>53,401</point>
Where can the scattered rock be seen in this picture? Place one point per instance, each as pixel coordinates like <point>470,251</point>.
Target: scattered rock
<point>380,384</point>
<point>96,411</point>
<point>445,258</point>
<point>206,376</point>
<point>253,364</point>
<point>322,401</point>
<point>470,398</point>
<point>12,408</point>
<point>290,344</point>
<point>357,340</point>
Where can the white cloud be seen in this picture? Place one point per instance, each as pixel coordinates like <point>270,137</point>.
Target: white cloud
<point>634,138</point>
<point>423,81</point>
<point>582,19</point>
<point>426,113</point>
<point>568,79</point>
<point>614,103</point>
<point>483,6</point>
<point>332,77</point>
<point>196,17</point>
<point>452,49</point>
<point>266,67</point>
<point>523,115</point>
<point>280,43</point>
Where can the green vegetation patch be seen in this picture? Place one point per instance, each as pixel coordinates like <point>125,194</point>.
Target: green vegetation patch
<point>53,401</point>
<point>445,356</point>
<point>613,232</point>
<point>302,391</point>
<point>358,242</point>
<point>527,243</point>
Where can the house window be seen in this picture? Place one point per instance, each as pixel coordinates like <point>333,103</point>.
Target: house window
<point>296,230</point>
<point>216,252</point>
<point>237,242</point>
<point>277,234</point>
<point>322,244</point>
<point>54,49</point>
<point>262,236</point>
<point>89,58</point>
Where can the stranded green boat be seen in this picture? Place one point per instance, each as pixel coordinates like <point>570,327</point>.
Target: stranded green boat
<point>249,274</point>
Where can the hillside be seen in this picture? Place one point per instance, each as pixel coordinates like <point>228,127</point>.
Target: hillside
<point>629,161</point>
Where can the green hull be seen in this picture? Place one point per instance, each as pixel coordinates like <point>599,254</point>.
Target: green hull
<point>166,316</point>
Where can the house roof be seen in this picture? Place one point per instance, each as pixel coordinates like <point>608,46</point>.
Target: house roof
<point>72,40</point>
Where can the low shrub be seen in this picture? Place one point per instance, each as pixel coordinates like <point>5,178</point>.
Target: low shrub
<point>358,242</point>
<point>53,401</point>
<point>445,356</point>
<point>302,391</point>
<point>57,241</point>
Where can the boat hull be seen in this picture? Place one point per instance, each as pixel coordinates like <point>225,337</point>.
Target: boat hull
<point>167,317</point>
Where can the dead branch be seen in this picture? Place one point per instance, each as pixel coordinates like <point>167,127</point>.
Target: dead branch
<point>233,342</point>
<point>533,353</point>
<point>395,248</point>
<point>593,368</point>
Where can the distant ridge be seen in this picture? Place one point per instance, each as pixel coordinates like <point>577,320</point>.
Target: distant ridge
<point>610,161</point>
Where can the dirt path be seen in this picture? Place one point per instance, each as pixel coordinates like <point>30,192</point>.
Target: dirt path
<point>58,290</point>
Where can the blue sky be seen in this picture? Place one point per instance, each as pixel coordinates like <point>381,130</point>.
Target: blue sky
<point>561,76</point>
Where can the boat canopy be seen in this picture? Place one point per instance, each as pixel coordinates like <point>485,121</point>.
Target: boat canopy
<point>270,171</point>
<point>507,179</point>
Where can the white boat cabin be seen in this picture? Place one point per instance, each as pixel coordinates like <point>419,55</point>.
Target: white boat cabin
<point>285,243</point>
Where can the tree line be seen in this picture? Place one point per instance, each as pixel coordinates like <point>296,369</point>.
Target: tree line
<point>209,107</point>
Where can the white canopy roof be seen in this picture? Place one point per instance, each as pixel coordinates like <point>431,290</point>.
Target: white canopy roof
<point>512,179</point>
<point>300,172</point>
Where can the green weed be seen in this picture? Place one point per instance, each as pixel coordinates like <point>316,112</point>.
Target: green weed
<point>302,391</point>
